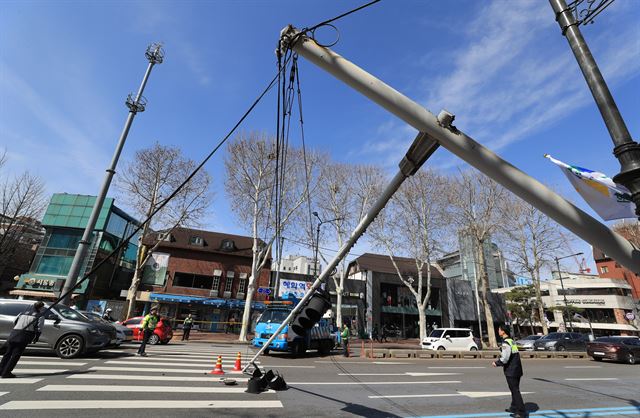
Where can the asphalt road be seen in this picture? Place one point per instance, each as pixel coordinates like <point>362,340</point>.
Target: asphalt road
<point>174,380</point>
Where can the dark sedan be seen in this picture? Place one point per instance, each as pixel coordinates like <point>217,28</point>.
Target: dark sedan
<point>626,349</point>
<point>561,341</point>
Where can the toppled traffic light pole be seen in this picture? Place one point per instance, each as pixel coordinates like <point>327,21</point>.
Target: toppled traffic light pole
<point>314,303</point>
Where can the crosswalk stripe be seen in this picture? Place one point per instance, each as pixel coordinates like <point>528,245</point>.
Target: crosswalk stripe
<point>375,383</point>
<point>19,381</point>
<point>57,359</point>
<point>3,393</point>
<point>38,371</point>
<point>50,363</point>
<point>149,378</point>
<point>193,360</point>
<point>154,370</point>
<point>145,388</point>
<point>162,363</point>
<point>137,404</point>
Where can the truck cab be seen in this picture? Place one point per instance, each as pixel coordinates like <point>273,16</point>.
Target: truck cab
<point>318,338</point>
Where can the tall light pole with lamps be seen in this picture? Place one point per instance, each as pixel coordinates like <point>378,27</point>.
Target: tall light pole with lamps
<point>564,293</point>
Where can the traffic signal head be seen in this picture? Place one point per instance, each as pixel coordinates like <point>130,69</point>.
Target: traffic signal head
<point>311,313</point>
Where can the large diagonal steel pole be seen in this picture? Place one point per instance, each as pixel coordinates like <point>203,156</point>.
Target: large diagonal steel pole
<point>480,157</point>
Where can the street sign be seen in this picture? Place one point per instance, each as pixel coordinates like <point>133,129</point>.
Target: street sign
<point>630,316</point>
<point>264,290</point>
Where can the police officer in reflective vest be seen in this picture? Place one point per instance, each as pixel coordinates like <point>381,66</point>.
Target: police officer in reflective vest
<point>510,362</point>
<point>27,328</point>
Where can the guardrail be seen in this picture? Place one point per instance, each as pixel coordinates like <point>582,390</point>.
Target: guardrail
<point>449,354</point>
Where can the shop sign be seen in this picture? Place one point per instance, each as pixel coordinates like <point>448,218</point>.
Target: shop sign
<point>586,302</point>
<point>293,288</point>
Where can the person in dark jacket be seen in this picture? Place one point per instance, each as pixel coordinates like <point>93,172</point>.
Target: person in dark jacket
<point>512,366</point>
<point>27,328</point>
<point>186,327</point>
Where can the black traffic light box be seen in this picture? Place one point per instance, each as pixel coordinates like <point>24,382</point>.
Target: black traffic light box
<point>311,313</point>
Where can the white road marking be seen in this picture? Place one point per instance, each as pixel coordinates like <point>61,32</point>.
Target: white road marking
<point>443,395</point>
<point>156,370</point>
<point>137,404</point>
<point>145,388</point>
<point>191,359</point>
<point>279,366</point>
<point>398,374</point>
<point>594,378</point>
<point>19,381</point>
<point>457,367</point>
<point>162,363</point>
<point>364,362</point>
<point>375,383</point>
<point>3,393</point>
<point>213,378</point>
<point>39,371</point>
<point>50,363</point>
<point>57,359</point>
<point>582,367</point>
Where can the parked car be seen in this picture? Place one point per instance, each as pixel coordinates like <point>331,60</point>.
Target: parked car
<point>123,334</point>
<point>562,341</point>
<point>450,339</point>
<point>526,343</point>
<point>161,335</point>
<point>66,331</point>
<point>617,348</point>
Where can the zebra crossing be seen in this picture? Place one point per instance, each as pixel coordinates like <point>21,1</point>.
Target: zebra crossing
<point>170,377</point>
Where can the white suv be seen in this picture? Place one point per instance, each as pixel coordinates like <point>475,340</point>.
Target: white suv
<point>450,339</point>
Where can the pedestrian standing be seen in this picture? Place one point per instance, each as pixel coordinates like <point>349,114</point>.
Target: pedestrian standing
<point>512,366</point>
<point>147,326</point>
<point>345,339</point>
<point>186,327</point>
<point>26,329</point>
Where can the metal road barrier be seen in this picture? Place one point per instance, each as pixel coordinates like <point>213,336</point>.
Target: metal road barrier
<point>449,354</point>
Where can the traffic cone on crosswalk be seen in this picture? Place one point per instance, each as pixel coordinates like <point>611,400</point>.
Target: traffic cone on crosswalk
<point>238,365</point>
<point>218,368</point>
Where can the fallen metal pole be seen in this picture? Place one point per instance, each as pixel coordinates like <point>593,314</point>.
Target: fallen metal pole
<point>480,157</point>
<point>421,149</point>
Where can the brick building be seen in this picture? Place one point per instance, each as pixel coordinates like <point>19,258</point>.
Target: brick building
<point>203,273</point>
<point>610,269</point>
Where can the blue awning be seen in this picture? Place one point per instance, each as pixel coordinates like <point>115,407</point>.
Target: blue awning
<point>215,302</point>
<point>163,297</point>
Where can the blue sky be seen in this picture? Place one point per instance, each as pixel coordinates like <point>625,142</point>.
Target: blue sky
<point>501,67</point>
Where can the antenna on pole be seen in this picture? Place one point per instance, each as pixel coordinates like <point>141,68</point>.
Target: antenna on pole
<point>137,103</point>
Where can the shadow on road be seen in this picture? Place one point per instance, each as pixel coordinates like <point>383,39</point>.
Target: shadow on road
<point>352,408</point>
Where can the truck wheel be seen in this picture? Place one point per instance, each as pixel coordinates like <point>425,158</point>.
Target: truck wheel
<point>266,352</point>
<point>324,349</point>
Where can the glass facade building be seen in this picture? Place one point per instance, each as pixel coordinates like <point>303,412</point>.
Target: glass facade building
<point>64,221</point>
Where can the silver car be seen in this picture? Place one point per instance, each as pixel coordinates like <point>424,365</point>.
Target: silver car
<point>526,343</point>
<point>66,331</point>
<point>123,334</point>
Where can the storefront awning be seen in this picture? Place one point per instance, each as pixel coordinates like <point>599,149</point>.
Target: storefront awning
<point>163,297</point>
<point>215,302</point>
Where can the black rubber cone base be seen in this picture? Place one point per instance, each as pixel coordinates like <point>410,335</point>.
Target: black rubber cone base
<point>253,386</point>
<point>278,383</point>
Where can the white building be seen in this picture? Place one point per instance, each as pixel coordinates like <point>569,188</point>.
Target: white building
<point>298,264</point>
<point>607,303</point>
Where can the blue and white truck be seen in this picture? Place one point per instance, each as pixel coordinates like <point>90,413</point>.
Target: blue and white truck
<point>321,337</point>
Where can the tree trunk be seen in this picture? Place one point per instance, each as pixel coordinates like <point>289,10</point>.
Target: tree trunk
<point>141,259</point>
<point>339,304</point>
<point>422,318</point>
<point>536,285</point>
<point>246,315</point>
<point>485,296</point>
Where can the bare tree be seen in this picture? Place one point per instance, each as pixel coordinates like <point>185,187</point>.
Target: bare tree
<point>344,195</point>
<point>146,182</point>
<point>532,240</point>
<point>265,197</point>
<point>414,224</point>
<point>22,200</point>
<point>474,202</point>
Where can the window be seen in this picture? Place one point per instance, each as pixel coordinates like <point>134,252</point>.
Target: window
<point>55,265</point>
<point>242,285</point>
<point>135,321</point>
<point>13,309</point>
<point>195,281</point>
<point>216,283</point>
<point>195,240</point>
<point>227,245</point>
<point>604,269</point>
<point>436,333</point>
<point>229,283</point>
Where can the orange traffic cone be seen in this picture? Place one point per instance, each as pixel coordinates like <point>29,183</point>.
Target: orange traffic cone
<point>218,368</point>
<point>238,365</point>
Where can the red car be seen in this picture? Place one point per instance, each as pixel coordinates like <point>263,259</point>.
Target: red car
<point>625,349</point>
<point>161,335</point>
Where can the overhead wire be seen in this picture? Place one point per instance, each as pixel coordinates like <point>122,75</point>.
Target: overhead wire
<point>126,241</point>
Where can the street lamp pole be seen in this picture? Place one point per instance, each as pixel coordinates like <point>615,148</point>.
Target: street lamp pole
<point>564,293</point>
